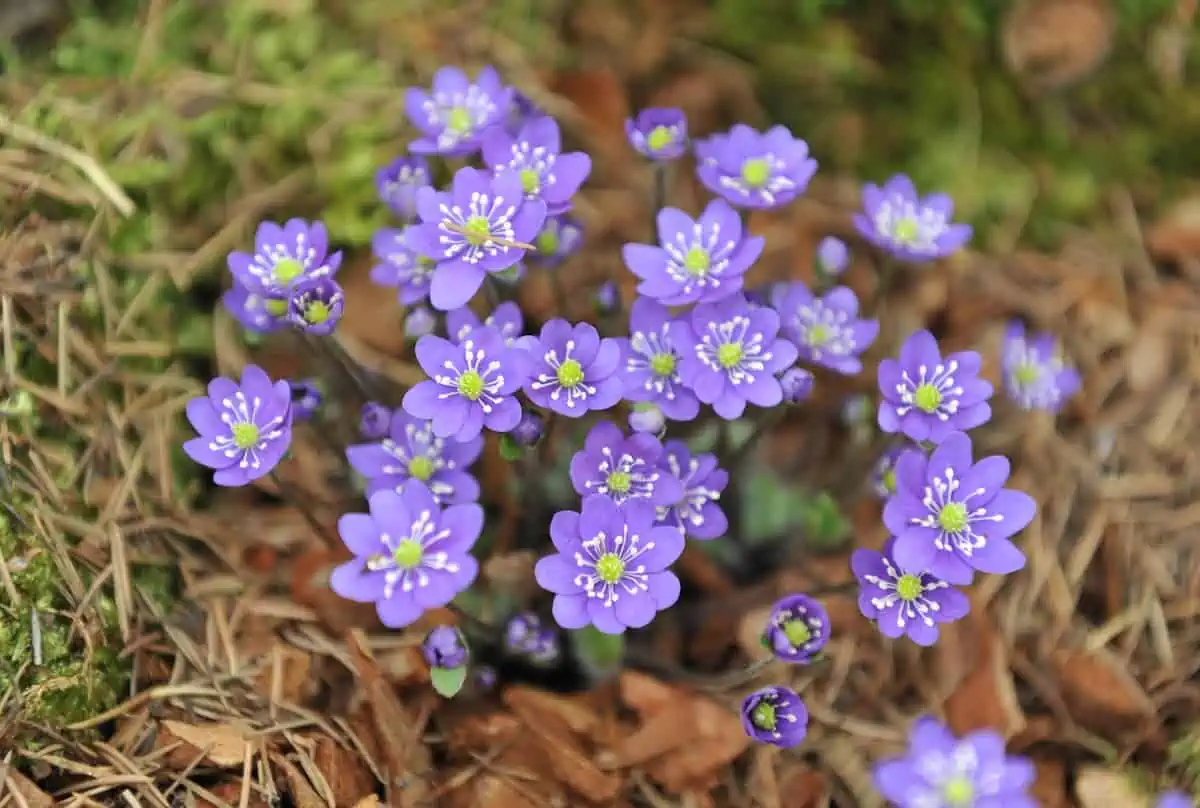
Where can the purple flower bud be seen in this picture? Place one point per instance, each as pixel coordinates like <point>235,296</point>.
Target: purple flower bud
<point>375,421</point>
<point>419,322</point>
<point>797,629</point>
<point>306,398</point>
<point>316,306</point>
<point>607,298</point>
<point>660,133</point>
<point>775,715</point>
<point>647,418</point>
<point>444,647</point>
<point>832,257</point>
<point>797,384</point>
<point>529,429</point>
<point>525,636</point>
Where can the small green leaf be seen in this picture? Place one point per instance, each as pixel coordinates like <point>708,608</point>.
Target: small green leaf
<point>448,681</point>
<point>599,652</point>
<point>510,450</point>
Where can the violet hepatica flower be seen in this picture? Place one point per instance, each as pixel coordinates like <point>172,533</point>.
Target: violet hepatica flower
<point>306,399</point>
<point>883,473</point>
<point>926,396</point>
<point>477,227</point>
<point>730,355</point>
<point>535,156</point>
<point>941,771</point>
<point>775,715</point>
<point>250,309</point>
<point>952,516</point>
<point>560,237</point>
<point>444,647</point>
<point>1035,375</point>
<point>505,318</point>
<point>400,266</point>
<point>896,219</point>
<point>315,306</point>
<point>697,260</point>
<point>902,602</point>
<point>697,513</point>
<point>826,330</point>
<point>574,370</point>
<point>452,117</point>
<point>832,257</point>
<point>797,629</point>
<point>411,451</point>
<point>650,362</point>
<point>623,468</point>
<point>409,554</point>
<point>529,429</point>
<point>797,385</point>
<point>659,133</point>
<point>397,184</point>
<point>472,384</point>
<point>607,298</point>
<point>1174,799</point>
<point>244,428</point>
<point>374,421</point>
<point>284,255</point>
<point>610,568</point>
<point>753,169</point>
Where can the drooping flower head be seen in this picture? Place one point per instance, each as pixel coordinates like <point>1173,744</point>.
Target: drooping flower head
<point>926,396</point>
<point>397,184</point>
<point>753,169</point>
<point>452,117</point>
<point>622,468</point>
<point>244,429</point>
<point>560,237</point>
<point>401,266</point>
<point>797,629</point>
<point>1035,375</point>
<point>444,647</point>
<point>827,329</point>
<point>505,318</point>
<point>832,257</point>
<point>535,156</point>
<point>911,228</point>
<point>374,421</point>
<point>409,554</point>
<point>472,384</point>
<point>883,473</point>
<point>650,362</point>
<point>574,370</point>
<point>283,256</point>
<point>697,513</point>
<point>941,771</point>
<point>730,355</point>
<point>696,260</point>
<point>315,306</point>
<point>659,133</point>
<point>411,451</point>
<point>953,517</point>
<point>306,399</point>
<point>475,228</point>
<point>611,565</point>
<point>775,715</point>
<point>797,385</point>
<point>902,602</point>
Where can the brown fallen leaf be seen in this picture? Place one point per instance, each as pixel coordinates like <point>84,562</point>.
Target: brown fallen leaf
<point>1050,788</point>
<point>288,675</point>
<point>518,774</point>
<point>26,791</point>
<point>1149,357</point>
<point>310,587</point>
<point>986,695</point>
<point>1176,236</point>
<point>802,786</point>
<point>1100,692</point>
<point>1054,43</point>
<point>374,318</point>
<point>1097,787</point>
<point>302,792</point>
<point>371,801</point>
<point>644,694</point>
<point>230,793</point>
<point>221,745</point>
<point>348,777</point>
<point>718,740</point>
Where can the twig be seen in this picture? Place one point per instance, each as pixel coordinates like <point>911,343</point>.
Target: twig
<point>485,238</point>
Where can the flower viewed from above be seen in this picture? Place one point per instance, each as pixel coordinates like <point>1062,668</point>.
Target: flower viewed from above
<point>574,369</point>
<point>456,112</point>
<point>1174,799</point>
<point>244,429</point>
<point>306,399</point>
<point>535,156</point>
<point>901,602</point>
<point>797,385</point>
<point>939,770</point>
<point>826,330</point>
<point>477,227</point>
<point>953,517</point>
<point>444,647</point>
<point>926,397</point>
<point>315,306</point>
<point>622,468</point>
<point>650,362</point>
<point>505,318</point>
<point>797,629</point>
<point>775,715</point>
<point>409,554</point>
<point>1035,375</point>
<point>896,219</point>
<point>833,256</point>
<point>755,169</point>
<point>696,260</point>
<point>883,473</point>
<point>697,513</point>
<point>526,637</point>
<point>560,237</point>
<point>397,184</point>
<point>659,133</point>
<point>374,421</point>
<point>611,565</point>
<point>472,384</point>
<point>401,266</point>
<point>411,451</point>
<point>284,255</point>
<point>730,355</point>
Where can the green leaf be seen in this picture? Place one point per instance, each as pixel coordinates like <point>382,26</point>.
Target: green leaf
<point>510,450</point>
<point>448,681</point>
<point>825,528</point>
<point>599,652</point>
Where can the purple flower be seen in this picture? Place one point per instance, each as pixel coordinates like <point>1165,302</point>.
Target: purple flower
<point>650,362</point>
<point>730,355</point>
<point>797,385</point>
<point>400,266</point>
<point>409,554</point>
<point>453,117</point>
<point>522,110</point>
<point>1174,799</point>
<point>883,474</point>
<point>775,715</point>
<point>283,256</point>
<point>647,418</point>
<point>797,629</point>
<point>902,602</point>
<point>251,309</point>
<point>622,468</point>
<point>826,330</point>
<point>306,399</point>
<point>535,156</point>
<point>697,513</point>
<point>374,421</point>
<point>897,220</point>
<point>560,237</point>
<point>954,517</point>
<point>475,228</point>
<point>397,184</point>
<point>528,430</point>
<point>525,636</point>
<point>472,384</point>
<point>611,565</point>
<point>418,322</point>
<point>753,169</point>
<point>698,260</point>
<point>832,257</point>
<point>574,369</point>
<point>316,305</point>
<point>244,429</point>
<point>412,452</point>
<point>1035,376</point>
<point>925,397</point>
<point>506,318</point>
<point>941,771</point>
<point>607,298</point>
<point>659,133</point>
<point>444,647</point>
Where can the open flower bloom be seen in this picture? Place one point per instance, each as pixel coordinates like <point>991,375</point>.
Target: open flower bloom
<point>574,369</point>
<point>623,468</point>
<point>826,330</point>
<point>535,154</point>
<point>659,133</point>
<point>775,715</point>
<point>797,629</point>
<point>284,255</point>
<point>755,169</point>
<point>1035,375</point>
<point>411,451</point>
<point>650,362</point>
<point>905,225</point>
<point>926,397</point>
<point>904,602</point>
<point>244,429</point>
<point>455,113</point>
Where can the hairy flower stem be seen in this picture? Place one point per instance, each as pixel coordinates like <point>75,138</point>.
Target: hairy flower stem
<point>659,198</point>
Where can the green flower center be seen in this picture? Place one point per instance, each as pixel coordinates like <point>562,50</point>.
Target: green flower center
<point>458,119</point>
<point>547,241</point>
<point>245,436</point>
<point>659,138</point>
<point>697,261</point>
<point>610,568</point>
<point>286,270</point>
<point>889,481</point>
<point>425,263</point>
<point>421,467</point>
<point>906,230</point>
<point>470,384</point>
<point>275,306</point>
<point>763,716</point>
<point>570,373</point>
<point>797,633</point>
<point>316,312</point>
<point>1026,373</point>
<point>958,791</point>
<point>953,517</point>
<point>663,364</point>
<point>927,398</point>
<point>477,230</point>
<point>909,587</point>
<point>819,334</point>
<point>729,354</point>
<point>408,554</point>
<point>530,181</point>
<point>755,172</point>
<point>620,482</point>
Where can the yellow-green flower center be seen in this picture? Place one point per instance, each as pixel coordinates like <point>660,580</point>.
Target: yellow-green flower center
<point>909,587</point>
<point>408,554</point>
<point>458,119</point>
<point>286,270</point>
<point>889,481</point>
<point>906,230</point>
<point>245,436</point>
<point>927,398</point>
<point>570,373</point>
<point>530,181</point>
<point>953,517</point>
<point>663,364</point>
<point>421,467</point>
<point>797,633</point>
<point>547,241</point>
<point>275,306</point>
<point>610,568</point>
<point>659,138</point>
<point>470,384</point>
<point>1026,373</point>
<point>477,229</point>
<point>620,482</point>
<point>729,354</point>
<point>316,312</point>
<point>755,172</point>
<point>819,334</point>
<point>958,792</point>
<point>697,261</point>
<point>763,716</point>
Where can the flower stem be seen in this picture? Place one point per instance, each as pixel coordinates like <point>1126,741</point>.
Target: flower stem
<point>659,198</point>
